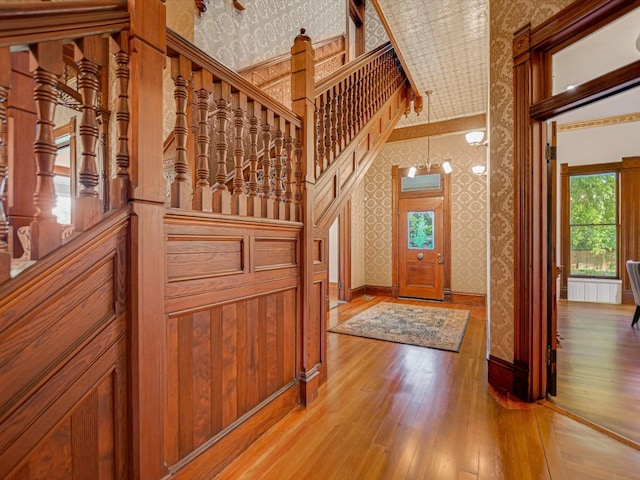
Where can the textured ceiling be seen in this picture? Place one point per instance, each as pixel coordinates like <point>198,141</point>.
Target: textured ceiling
<point>445,46</point>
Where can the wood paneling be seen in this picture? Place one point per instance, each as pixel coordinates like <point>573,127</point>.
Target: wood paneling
<point>203,256</point>
<point>224,362</point>
<point>63,366</point>
<point>272,253</point>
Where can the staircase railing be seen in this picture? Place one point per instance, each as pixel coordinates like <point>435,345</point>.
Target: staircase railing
<point>347,99</point>
<point>57,53</point>
<point>238,124</point>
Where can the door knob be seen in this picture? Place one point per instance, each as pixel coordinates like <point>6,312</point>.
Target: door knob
<point>440,259</point>
<point>420,256</point>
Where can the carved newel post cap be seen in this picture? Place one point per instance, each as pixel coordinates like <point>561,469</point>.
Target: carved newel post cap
<point>302,37</point>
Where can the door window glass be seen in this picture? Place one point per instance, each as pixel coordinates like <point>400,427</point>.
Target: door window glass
<point>421,230</point>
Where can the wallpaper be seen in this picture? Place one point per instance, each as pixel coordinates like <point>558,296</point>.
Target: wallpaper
<point>358,237</point>
<point>180,17</point>
<point>374,33</point>
<point>505,18</point>
<point>265,29</point>
<point>468,210</point>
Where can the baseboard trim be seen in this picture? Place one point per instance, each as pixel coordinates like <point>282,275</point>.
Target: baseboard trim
<point>500,374</point>
<point>627,297</point>
<point>380,291</point>
<point>475,299</point>
<point>358,292</point>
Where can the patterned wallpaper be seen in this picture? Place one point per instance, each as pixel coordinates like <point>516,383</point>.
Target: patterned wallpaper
<point>358,237</point>
<point>468,210</point>
<point>506,17</point>
<point>180,17</point>
<point>265,29</point>
<point>374,33</point>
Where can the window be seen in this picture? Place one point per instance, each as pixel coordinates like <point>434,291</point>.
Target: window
<point>593,224</point>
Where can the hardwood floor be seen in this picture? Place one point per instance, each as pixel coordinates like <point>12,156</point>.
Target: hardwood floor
<point>599,366</point>
<point>392,411</point>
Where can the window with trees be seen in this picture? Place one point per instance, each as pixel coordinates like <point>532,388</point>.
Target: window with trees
<point>593,224</point>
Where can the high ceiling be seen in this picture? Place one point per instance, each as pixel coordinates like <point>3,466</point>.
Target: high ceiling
<point>445,46</point>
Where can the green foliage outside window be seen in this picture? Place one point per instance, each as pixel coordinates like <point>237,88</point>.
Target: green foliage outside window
<point>593,224</point>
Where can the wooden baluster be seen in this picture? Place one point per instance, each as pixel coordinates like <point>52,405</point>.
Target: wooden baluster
<point>202,194</point>
<point>348,102</point>
<point>221,194</point>
<point>265,193</point>
<point>345,113</point>
<point>239,198</point>
<point>5,83</point>
<point>337,122</point>
<point>328,131</point>
<point>319,119</point>
<point>278,191</point>
<point>298,160</point>
<point>45,230</point>
<point>121,184</point>
<point>361,111</point>
<point>290,212</point>
<point>88,204</point>
<point>181,188</point>
<point>253,200</point>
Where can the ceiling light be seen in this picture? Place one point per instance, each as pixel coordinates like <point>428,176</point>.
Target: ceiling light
<point>446,166</point>
<point>479,169</point>
<point>475,138</point>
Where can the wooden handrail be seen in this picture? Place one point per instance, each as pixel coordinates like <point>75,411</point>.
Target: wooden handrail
<point>179,46</point>
<point>347,70</point>
<point>26,23</point>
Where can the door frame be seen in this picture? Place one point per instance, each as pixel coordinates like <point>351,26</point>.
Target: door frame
<point>396,174</point>
<point>534,103</point>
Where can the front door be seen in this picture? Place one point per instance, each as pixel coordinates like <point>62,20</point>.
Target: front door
<point>421,247</point>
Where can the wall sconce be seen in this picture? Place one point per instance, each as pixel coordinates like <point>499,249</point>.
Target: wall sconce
<point>412,172</point>
<point>475,138</point>
<point>479,169</point>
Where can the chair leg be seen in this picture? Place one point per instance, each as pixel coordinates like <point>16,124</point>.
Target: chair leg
<point>636,316</point>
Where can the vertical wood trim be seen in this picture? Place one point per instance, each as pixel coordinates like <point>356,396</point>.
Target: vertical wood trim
<point>229,365</point>
<point>217,397</point>
<point>565,247</point>
<point>84,437</point>
<point>185,385</point>
<point>344,253</point>
<point>243,380</point>
<point>629,217</point>
<point>395,284</point>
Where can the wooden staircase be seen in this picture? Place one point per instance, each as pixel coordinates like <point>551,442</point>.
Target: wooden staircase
<point>179,321</point>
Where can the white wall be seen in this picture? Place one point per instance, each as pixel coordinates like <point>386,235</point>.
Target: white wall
<point>599,145</point>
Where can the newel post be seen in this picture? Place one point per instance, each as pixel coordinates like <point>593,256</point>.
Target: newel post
<point>303,104</point>
<point>147,53</point>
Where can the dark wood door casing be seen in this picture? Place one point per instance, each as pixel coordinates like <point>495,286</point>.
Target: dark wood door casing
<point>396,194</point>
<point>533,104</point>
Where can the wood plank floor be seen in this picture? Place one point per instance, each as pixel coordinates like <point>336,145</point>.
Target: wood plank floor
<point>599,366</point>
<point>392,411</point>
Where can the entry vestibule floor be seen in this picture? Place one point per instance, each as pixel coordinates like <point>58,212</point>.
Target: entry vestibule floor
<point>392,411</point>
<point>599,366</point>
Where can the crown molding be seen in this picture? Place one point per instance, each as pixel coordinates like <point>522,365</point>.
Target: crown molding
<point>599,122</point>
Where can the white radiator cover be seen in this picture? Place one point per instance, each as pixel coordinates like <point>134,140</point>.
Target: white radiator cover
<point>598,290</point>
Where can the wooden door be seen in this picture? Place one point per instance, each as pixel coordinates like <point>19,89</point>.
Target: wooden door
<point>552,270</point>
<point>421,247</point>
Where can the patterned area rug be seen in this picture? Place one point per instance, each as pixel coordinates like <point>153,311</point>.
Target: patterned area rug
<point>433,327</point>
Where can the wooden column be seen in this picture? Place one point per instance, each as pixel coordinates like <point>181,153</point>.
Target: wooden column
<point>630,220</point>
<point>21,136</point>
<point>120,185</point>
<point>45,230</point>
<point>202,199</point>
<point>88,204</point>
<point>253,200</point>
<point>221,194</point>
<point>238,196</point>
<point>147,277</point>
<point>181,189</point>
<point>302,97</point>
<point>5,82</point>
